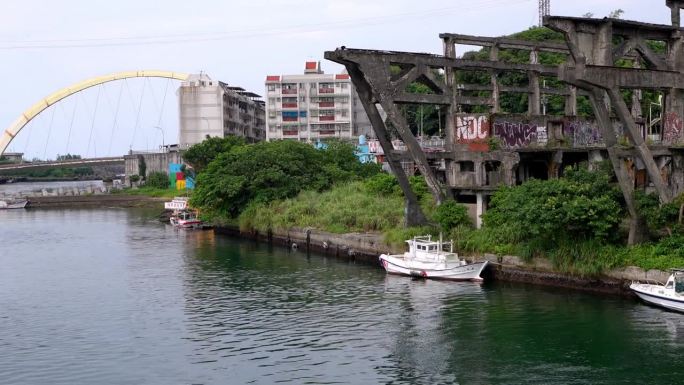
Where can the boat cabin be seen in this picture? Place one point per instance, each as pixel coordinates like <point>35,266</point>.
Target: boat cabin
<point>425,249</point>
<point>676,281</point>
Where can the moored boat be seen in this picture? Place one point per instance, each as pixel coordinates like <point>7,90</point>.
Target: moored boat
<point>669,296</point>
<point>18,204</point>
<point>430,259</point>
<point>183,216</point>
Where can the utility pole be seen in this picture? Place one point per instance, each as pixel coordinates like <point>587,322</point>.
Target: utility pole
<point>544,10</point>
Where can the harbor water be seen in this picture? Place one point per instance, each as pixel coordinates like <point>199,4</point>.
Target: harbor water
<point>112,296</point>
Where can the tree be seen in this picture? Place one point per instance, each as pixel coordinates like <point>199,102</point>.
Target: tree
<point>268,171</point>
<point>616,14</point>
<point>201,154</point>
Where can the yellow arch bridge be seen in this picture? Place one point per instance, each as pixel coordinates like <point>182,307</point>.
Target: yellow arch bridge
<point>11,132</point>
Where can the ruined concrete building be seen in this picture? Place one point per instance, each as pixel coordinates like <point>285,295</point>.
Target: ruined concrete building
<point>606,62</point>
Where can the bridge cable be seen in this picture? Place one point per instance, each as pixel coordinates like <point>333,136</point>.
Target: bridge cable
<point>116,117</point>
<point>154,96</point>
<point>161,111</point>
<point>28,139</point>
<point>92,126</point>
<point>71,125</point>
<point>137,118</point>
<point>47,140</point>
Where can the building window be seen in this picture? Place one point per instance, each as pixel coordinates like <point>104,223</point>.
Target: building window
<point>345,113</point>
<point>467,166</point>
<point>302,99</point>
<point>271,87</point>
<point>343,86</point>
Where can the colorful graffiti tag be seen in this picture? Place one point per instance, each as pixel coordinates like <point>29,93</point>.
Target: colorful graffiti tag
<point>516,135</point>
<point>672,128</point>
<point>583,133</point>
<point>471,128</point>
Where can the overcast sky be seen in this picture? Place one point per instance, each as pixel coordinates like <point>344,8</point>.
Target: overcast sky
<point>46,45</point>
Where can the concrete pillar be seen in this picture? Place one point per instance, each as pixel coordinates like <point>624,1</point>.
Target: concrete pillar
<point>571,102</point>
<point>534,95</point>
<point>480,209</point>
<point>494,56</point>
<point>450,129</point>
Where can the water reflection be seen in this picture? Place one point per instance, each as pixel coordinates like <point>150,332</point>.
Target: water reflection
<point>115,297</point>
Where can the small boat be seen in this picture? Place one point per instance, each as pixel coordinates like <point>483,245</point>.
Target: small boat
<point>20,204</point>
<point>669,296</point>
<point>430,259</point>
<point>183,216</point>
<point>186,219</point>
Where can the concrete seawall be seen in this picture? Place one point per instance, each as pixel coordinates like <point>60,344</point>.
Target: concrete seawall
<point>366,248</point>
<point>102,200</point>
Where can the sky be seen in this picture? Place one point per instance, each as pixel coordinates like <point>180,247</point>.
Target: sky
<point>47,45</point>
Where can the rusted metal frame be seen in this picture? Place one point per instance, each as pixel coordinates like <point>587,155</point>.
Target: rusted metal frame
<point>413,213</point>
<point>640,145</point>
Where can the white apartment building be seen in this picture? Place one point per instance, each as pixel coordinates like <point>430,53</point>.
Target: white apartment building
<point>213,108</point>
<point>314,106</point>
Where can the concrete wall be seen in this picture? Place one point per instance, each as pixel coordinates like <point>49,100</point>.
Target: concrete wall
<point>155,162</point>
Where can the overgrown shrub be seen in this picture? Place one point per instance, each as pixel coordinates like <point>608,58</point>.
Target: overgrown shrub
<point>158,180</point>
<point>451,214</point>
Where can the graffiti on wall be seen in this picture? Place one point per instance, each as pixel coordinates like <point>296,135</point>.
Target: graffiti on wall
<point>516,135</point>
<point>583,133</point>
<point>471,128</point>
<point>672,128</point>
<point>542,136</point>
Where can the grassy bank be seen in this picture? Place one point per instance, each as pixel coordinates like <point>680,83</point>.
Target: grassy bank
<point>357,207</point>
<point>150,192</point>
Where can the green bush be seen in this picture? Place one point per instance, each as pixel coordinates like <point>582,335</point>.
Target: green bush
<point>383,184</point>
<point>451,214</point>
<point>134,178</point>
<point>270,171</point>
<point>158,180</point>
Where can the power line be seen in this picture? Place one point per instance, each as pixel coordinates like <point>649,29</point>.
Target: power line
<point>251,33</point>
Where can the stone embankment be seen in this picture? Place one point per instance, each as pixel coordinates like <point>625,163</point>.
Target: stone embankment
<point>96,200</point>
<point>366,248</point>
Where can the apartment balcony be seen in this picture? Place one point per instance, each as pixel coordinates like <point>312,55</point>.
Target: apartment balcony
<point>289,105</point>
<point>292,91</point>
<point>326,118</point>
<point>326,104</point>
<point>326,90</point>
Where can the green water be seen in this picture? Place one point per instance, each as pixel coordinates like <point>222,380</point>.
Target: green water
<point>112,297</point>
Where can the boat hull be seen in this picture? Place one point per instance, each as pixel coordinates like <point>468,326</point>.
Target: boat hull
<point>14,205</point>
<point>446,271</point>
<point>655,295</point>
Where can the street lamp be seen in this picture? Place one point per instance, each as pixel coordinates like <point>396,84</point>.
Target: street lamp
<point>162,134</point>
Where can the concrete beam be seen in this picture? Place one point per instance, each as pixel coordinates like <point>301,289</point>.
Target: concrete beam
<point>505,43</point>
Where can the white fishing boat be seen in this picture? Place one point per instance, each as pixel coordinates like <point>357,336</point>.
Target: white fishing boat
<point>183,216</point>
<point>19,204</point>
<point>432,259</point>
<point>186,219</point>
<point>669,296</point>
